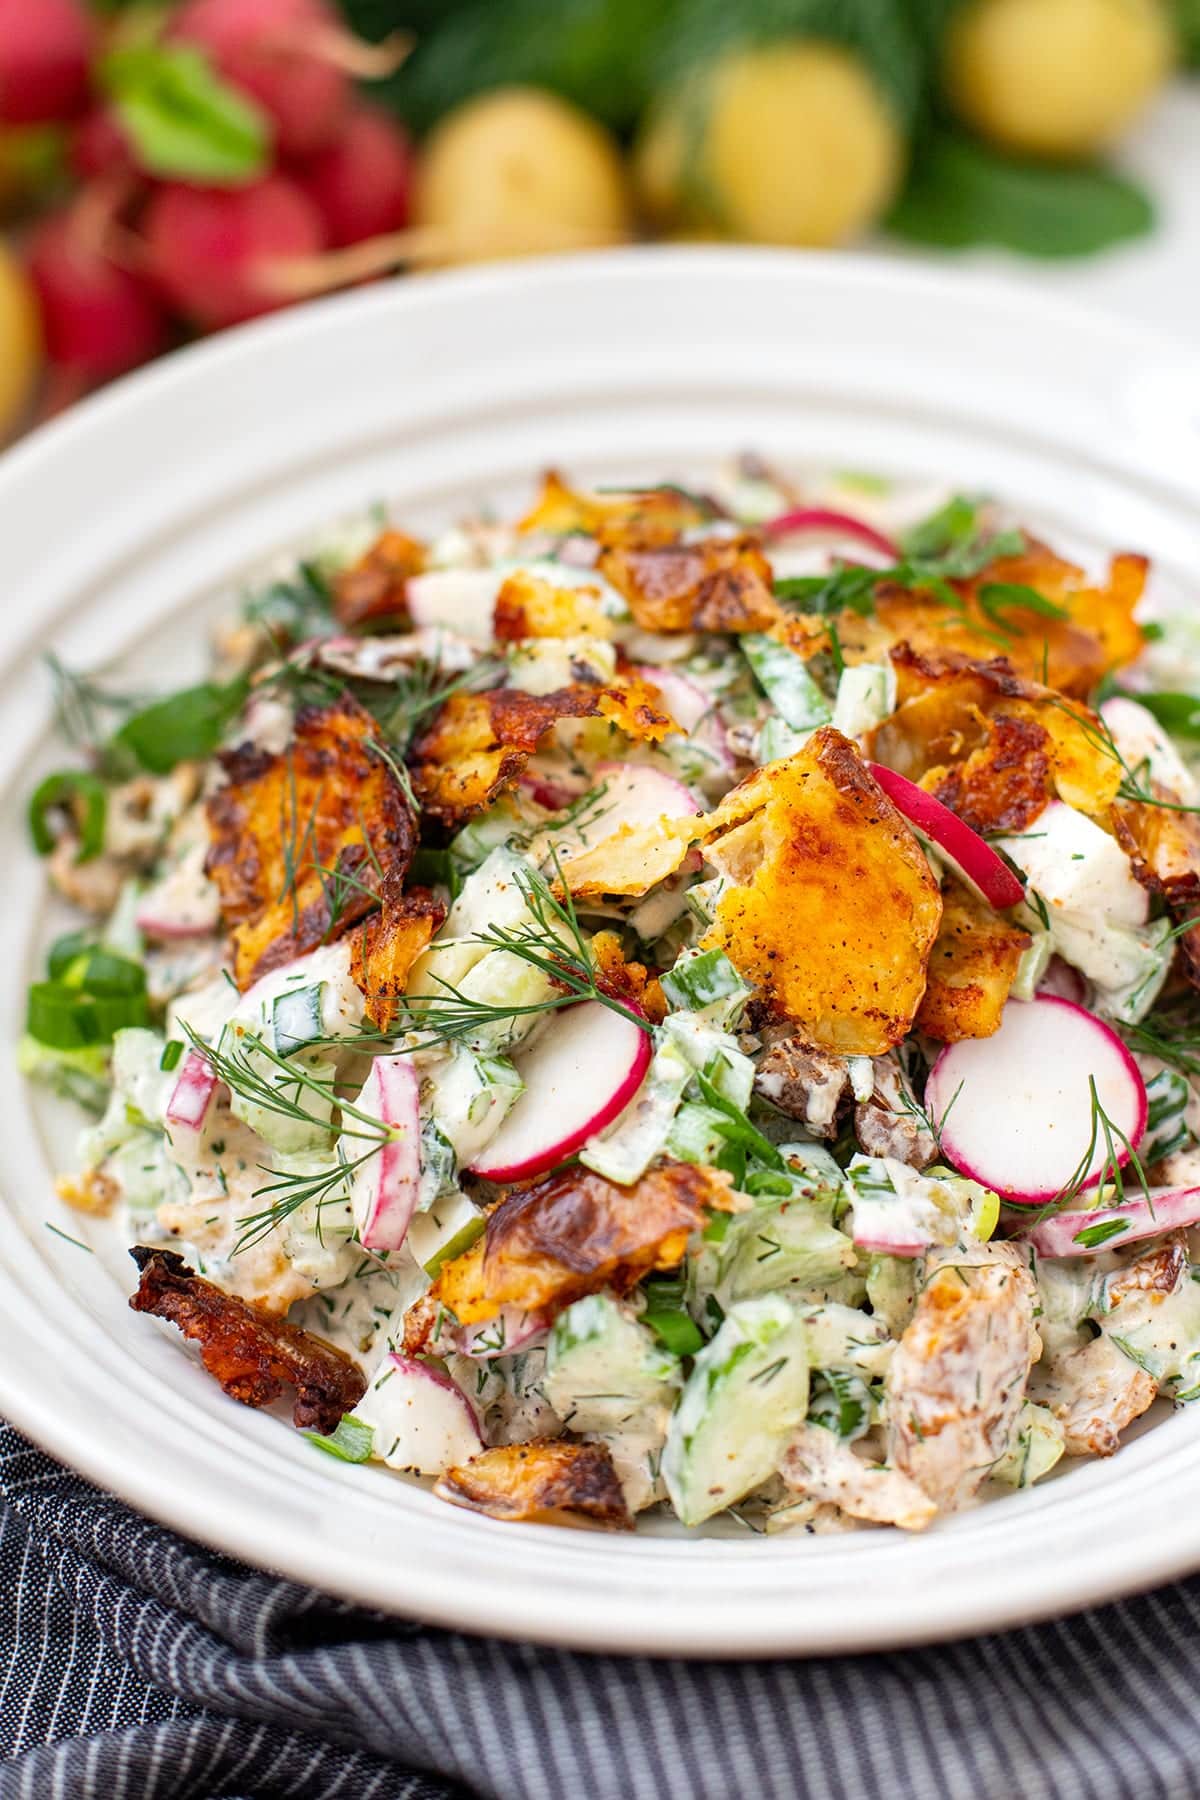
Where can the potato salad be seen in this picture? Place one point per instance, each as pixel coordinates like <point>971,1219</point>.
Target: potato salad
<point>686,1001</point>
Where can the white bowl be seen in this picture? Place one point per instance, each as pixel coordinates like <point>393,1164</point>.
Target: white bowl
<point>120,526</point>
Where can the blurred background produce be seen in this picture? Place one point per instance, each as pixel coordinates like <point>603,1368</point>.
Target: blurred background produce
<point>169,169</point>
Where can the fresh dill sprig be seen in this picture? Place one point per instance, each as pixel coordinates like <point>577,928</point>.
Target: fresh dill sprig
<point>289,1193</point>
<point>1171,1033</point>
<point>256,1085</point>
<point>1111,1173</point>
<point>413,693</point>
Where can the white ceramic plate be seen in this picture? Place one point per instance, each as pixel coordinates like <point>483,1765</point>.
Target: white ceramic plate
<point>120,526</point>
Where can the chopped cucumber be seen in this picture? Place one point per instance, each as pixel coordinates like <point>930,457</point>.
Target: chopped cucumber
<point>706,983</point>
<point>866,696</point>
<point>604,1368</point>
<point>792,1245</point>
<point>1167,1096</point>
<point>296,1018</point>
<point>1038,1443</point>
<point>310,1125</point>
<point>748,1391</point>
<point>451,1226</point>
<point>776,739</point>
<point>467,1096</point>
<point>784,678</point>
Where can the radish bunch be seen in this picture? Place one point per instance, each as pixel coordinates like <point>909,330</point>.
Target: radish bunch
<point>208,157</point>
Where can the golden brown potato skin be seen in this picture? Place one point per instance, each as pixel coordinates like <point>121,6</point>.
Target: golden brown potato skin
<point>1163,846</point>
<point>836,907</point>
<point>569,1234</point>
<point>253,1355</point>
<point>548,1481</point>
<point>649,516</point>
<point>1005,783</point>
<point>722,584</point>
<point>972,967</point>
<point>389,944</point>
<point>297,837</point>
<point>371,592</point>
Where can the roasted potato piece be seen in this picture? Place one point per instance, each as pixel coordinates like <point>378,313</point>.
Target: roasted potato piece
<point>299,838</point>
<point>1005,783</point>
<point>389,944</point>
<point>252,1354</point>
<point>570,1234</point>
<point>477,744</point>
<point>372,590</point>
<point>836,908</point>
<point>719,584</point>
<point>529,607</point>
<point>1163,845</point>
<point>548,1481</point>
<point>972,967</point>
<point>646,516</point>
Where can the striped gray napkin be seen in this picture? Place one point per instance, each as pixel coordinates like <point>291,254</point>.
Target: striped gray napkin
<point>136,1666</point>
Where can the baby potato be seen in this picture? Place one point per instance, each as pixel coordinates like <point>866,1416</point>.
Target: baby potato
<point>517,171</point>
<point>789,143</point>
<point>20,342</point>
<point>1059,78</point>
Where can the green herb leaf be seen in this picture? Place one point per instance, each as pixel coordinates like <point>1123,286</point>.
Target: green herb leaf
<point>350,1442</point>
<point>999,597</point>
<point>183,727</point>
<point>962,194</point>
<point>182,120</point>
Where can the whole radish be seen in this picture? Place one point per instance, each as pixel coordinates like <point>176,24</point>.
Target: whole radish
<point>99,319</point>
<point>279,52</point>
<point>360,184</point>
<point>211,248</point>
<point>99,145</point>
<point>45,49</point>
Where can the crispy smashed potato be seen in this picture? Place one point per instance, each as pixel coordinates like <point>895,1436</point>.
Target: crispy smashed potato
<point>972,967</point>
<point>372,590</point>
<point>943,717</point>
<point>835,909</point>
<point>478,744</point>
<point>720,584</point>
<point>628,981</point>
<point>253,1355</point>
<point>547,1481</point>
<point>641,516</point>
<point>1163,847</point>
<point>389,944</point>
<point>1005,783</point>
<point>298,838</point>
<point>571,1234</point>
<point>529,607</point>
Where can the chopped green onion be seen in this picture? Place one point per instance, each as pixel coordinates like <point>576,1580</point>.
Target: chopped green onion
<point>676,1331</point>
<point>84,796</point>
<point>64,951</point>
<point>1092,1236</point>
<point>172,1052</point>
<point>350,1442</point>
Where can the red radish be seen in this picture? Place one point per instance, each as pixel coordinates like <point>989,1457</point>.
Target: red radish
<point>360,183</point>
<point>45,49</point>
<point>183,903</point>
<point>423,1421</point>
<point>277,51</point>
<point>1016,1110</point>
<point>973,861</point>
<point>876,1231</point>
<point>635,794</point>
<point>99,145</point>
<point>1063,981</point>
<point>832,524</point>
<point>512,1329</point>
<point>384,1189</point>
<point>211,248</point>
<point>1112,1227</point>
<point>578,552</point>
<point>192,1095</point>
<point>583,1071</point>
<point>693,710</point>
<point>99,319</point>
<point>553,795</point>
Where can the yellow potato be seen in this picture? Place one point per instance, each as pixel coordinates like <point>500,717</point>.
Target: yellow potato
<point>791,143</point>
<point>20,342</point>
<point>518,171</point>
<point>1056,78</point>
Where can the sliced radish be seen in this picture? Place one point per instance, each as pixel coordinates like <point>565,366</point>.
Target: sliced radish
<point>692,709</point>
<point>832,524</point>
<point>384,1189</point>
<point>458,600</point>
<point>583,1070</point>
<point>422,1420</point>
<point>512,1329</point>
<point>1112,1227</point>
<point>184,903</point>
<point>883,1236</point>
<point>192,1095</point>
<point>638,794</point>
<point>1015,1110</point>
<point>973,860</point>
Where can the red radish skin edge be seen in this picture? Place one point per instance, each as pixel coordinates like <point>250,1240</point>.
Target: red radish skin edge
<point>361,183</point>
<point>45,49</point>
<point>978,862</point>
<point>683,802</point>
<point>1174,1209</point>
<point>422,1371</point>
<point>1043,1195</point>
<point>192,1094</point>
<point>210,248</point>
<point>823,518</point>
<point>273,50</point>
<point>99,319</point>
<point>394,1173</point>
<point>564,1147</point>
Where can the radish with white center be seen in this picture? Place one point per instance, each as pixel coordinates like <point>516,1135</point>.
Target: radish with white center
<point>190,1099</point>
<point>826,522</point>
<point>974,861</point>
<point>579,1074</point>
<point>384,1190</point>
<point>1112,1227</point>
<point>423,1422</point>
<point>692,709</point>
<point>1017,1111</point>
<point>635,794</point>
